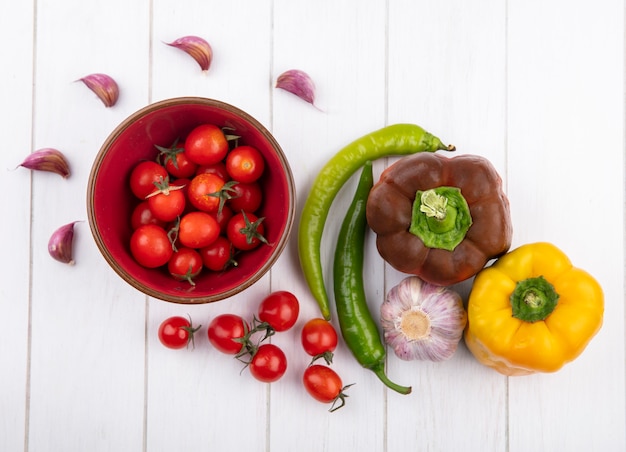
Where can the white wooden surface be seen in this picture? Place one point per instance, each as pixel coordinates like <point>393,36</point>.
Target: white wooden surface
<point>535,86</point>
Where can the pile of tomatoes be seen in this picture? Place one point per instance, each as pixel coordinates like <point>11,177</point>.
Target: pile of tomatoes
<point>278,312</point>
<point>197,204</point>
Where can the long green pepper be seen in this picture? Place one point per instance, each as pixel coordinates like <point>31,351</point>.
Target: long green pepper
<point>358,328</point>
<point>397,139</point>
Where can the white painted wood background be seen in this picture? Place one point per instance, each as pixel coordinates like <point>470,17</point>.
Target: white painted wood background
<point>535,86</point>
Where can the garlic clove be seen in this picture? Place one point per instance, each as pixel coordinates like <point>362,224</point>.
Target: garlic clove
<point>299,83</point>
<point>60,245</point>
<point>47,159</point>
<point>198,48</point>
<point>104,86</point>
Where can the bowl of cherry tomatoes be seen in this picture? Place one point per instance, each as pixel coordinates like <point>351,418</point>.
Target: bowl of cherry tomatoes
<point>190,200</point>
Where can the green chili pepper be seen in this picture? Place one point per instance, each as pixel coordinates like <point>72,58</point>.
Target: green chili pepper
<point>358,328</point>
<point>397,139</point>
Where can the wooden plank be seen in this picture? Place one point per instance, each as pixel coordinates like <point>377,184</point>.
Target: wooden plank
<point>16,95</point>
<point>566,166</point>
<point>87,360</point>
<point>213,393</point>
<point>341,46</point>
<point>447,72</point>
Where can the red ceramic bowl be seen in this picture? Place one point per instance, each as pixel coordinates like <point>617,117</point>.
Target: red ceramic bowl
<point>110,201</point>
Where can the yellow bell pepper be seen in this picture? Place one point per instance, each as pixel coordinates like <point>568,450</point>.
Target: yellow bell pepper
<point>532,311</point>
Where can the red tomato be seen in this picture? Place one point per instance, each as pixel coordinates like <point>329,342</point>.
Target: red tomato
<point>176,332</point>
<point>280,309</point>
<point>245,231</point>
<point>219,255</point>
<point>185,264</point>
<point>143,215</point>
<point>245,164</point>
<point>206,144</point>
<point>150,246</point>
<point>318,337</point>
<point>219,169</point>
<point>167,204</point>
<point>197,229</point>
<point>223,217</point>
<point>247,197</point>
<point>179,165</point>
<point>204,192</point>
<point>222,331</point>
<point>143,177</point>
<point>323,384</point>
<point>268,364</point>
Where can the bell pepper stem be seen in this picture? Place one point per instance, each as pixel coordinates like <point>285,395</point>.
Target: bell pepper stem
<point>533,299</point>
<point>441,217</point>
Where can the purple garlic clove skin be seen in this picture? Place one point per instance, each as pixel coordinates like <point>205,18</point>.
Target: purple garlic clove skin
<point>60,245</point>
<point>198,48</point>
<point>299,83</point>
<point>104,86</point>
<point>47,159</point>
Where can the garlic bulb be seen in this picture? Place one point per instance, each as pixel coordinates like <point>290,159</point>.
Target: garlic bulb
<point>422,321</point>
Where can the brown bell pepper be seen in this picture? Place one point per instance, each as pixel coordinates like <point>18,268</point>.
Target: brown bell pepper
<point>440,218</point>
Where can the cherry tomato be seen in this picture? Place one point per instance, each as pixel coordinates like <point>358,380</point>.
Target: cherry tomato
<point>198,229</point>
<point>323,384</point>
<point>219,169</point>
<point>185,264</point>
<point>223,217</point>
<point>247,197</point>
<point>179,165</point>
<point>206,144</point>
<point>268,364</point>
<point>219,255</point>
<point>245,164</point>
<point>143,177</point>
<point>204,192</point>
<point>222,331</point>
<point>176,332</point>
<point>245,231</point>
<point>280,309</point>
<point>143,215</point>
<point>150,246</point>
<point>167,204</point>
<point>318,337</point>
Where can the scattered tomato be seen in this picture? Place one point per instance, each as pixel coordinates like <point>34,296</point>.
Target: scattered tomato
<point>280,309</point>
<point>176,332</point>
<point>224,330</point>
<point>324,385</point>
<point>319,339</point>
<point>268,364</point>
